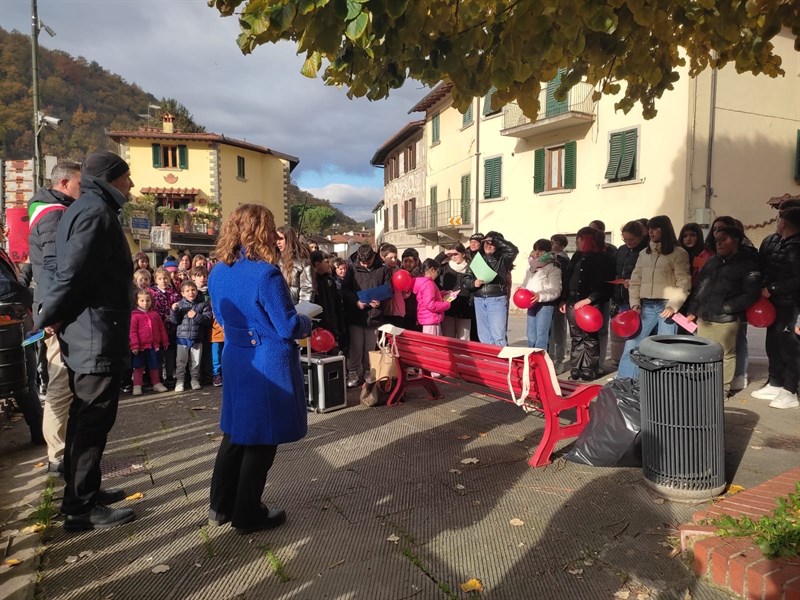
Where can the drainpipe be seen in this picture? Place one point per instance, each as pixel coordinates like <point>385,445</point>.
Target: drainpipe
<point>711,126</point>
<point>476,227</point>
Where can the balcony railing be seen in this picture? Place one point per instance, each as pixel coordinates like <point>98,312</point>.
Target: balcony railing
<point>448,214</point>
<point>576,108</point>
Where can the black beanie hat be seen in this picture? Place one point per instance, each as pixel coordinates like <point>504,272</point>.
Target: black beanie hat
<point>476,236</point>
<point>106,166</point>
<point>410,252</point>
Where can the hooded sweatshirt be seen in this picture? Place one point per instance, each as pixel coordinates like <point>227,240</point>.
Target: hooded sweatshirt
<point>430,306</point>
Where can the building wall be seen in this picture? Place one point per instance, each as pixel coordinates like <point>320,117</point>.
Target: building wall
<point>139,156</point>
<point>263,182</point>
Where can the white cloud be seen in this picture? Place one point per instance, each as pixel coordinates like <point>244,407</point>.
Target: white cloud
<point>354,201</point>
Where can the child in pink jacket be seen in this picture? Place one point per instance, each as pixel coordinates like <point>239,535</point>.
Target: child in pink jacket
<point>148,335</point>
<point>430,306</point>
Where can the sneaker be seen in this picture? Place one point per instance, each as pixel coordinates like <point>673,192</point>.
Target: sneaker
<point>196,385</point>
<point>216,519</point>
<point>137,390</point>
<point>738,383</point>
<point>126,389</point>
<point>179,387</point>
<point>217,381</point>
<point>768,392</point>
<point>100,517</point>
<point>785,399</point>
<point>352,381</point>
<point>159,387</point>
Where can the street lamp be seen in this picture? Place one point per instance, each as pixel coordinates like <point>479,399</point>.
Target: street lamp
<point>39,120</point>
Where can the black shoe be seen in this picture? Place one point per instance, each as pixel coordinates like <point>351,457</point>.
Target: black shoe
<point>588,375</point>
<point>271,520</point>
<point>216,519</point>
<point>127,389</point>
<point>110,496</point>
<point>100,517</point>
<point>574,374</point>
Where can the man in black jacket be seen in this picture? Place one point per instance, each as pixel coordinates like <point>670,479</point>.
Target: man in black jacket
<point>88,305</point>
<point>45,210</point>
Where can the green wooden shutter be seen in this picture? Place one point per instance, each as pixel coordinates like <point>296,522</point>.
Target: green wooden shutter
<point>435,129</point>
<point>467,119</point>
<point>432,209</point>
<point>465,189</point>
<point>538,171</point>
<point>156,156</point>
<point>487,102</point>
<point>614,155</point>
<point>555,107</point>
<point>627,164</point>
<point>570,164</point>
<point>797,159</point>
<point>183,157</point>
<point>492,175</point>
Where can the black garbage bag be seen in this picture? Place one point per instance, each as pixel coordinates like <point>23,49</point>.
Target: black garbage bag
<point>612,437</point>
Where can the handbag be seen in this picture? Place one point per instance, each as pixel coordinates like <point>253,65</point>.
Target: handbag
<point>376,393</point>
<point>382,363</point>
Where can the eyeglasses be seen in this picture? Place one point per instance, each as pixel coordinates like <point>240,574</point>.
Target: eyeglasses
<point>488,242</point>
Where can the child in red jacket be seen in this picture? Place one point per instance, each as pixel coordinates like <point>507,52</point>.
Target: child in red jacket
<point>148,336</point>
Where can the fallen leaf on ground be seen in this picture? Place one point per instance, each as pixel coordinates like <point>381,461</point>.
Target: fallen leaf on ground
<point>35,528</point>
<point>674,552</point>
<point>460,487</point>
<point>198,565</point>
<point>517,522</point>
<point>136,496</point>
<point>687,595</point>
<point>216,438</point>
<point>38,465</point>
<point>12,562</point>
<point>456,471</point>
<point>588,562</point>
<point>659,501</point>
<point>71,559</point>
<point>575,571</point>
<point>735,489</point>
<point>756,447</point>
<point>464,437</point>
<point>160,569</point>
<point>469,461</point>
<point>472,585</point>
<point>86,553</point>
<point>622,594</point>
<point>483,434</point>
<point>393,538</point>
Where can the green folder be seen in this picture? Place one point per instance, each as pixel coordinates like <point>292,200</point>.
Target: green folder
<point>481,270</point>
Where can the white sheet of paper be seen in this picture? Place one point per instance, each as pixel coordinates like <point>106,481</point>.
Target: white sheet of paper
<point>308,309</point>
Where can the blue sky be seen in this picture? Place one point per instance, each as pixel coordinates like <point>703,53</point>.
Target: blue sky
<point>184,50</point>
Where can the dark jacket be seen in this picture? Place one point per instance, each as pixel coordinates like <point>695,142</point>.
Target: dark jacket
<point>726,287</point>
<point>329,298</point>
<point>45,210</point>
<point>12,290</point>
<point>361,278</point>
<point>779,269</point>
<point>90,289</point>
<point>626,261</point>
<point>587,276</point>
<point>501,261</point>
<point>190,328</point>
<point>451,279</point>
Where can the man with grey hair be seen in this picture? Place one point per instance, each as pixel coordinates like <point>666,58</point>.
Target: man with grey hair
<point>44,214</point>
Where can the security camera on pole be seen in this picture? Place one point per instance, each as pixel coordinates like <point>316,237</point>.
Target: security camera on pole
<point>36,27</point>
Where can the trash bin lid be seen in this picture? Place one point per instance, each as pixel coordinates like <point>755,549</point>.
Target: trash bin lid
<point>681,348</point>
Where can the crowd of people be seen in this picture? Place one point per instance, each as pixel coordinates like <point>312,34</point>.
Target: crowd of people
<point>113,322</point>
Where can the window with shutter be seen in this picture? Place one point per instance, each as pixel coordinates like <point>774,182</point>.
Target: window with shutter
<point>183,157</point>
<point>487,102</point>
<point>538,171</point>
<point>465,189</point>
<point>432,206</point>
<point>622,155</point>
<point>570,164</point>
<point>394,216</point>
<point>555,107</point>
<point>467,117</point>
<point>435,129</point>
<point>492,173</point>
<point>240,167</point>
<point>156,156</point>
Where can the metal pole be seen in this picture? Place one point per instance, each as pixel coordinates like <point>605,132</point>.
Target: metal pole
<point>712,118</point>
<point>476,228</point>
<point>37,154</point>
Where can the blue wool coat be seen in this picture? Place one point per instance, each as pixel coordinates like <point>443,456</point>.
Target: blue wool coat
<point>262,399</point>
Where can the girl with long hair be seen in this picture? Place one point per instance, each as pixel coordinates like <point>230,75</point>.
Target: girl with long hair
<point>294,263</point>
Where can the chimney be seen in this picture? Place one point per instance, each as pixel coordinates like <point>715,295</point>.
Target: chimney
<point>168,123</point>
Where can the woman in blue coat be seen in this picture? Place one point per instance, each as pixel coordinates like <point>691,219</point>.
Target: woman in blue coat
<point>263,403</point>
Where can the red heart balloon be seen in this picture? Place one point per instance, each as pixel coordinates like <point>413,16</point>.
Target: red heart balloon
<point>523,298</point>
<point>322,340</point>
<point>761,313</point>
<point>626,323</point>
<point>589,318</point>
<point>402,280</point>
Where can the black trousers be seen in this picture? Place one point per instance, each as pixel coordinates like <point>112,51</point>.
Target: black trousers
<point>585,349</point>
<point>91,416</point>
<point>783,350</point>
<point>237,484</point>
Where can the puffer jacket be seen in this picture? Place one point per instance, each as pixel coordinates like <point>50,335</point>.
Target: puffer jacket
<point>147,330</point>
<point>163,301</point>
<point>545,283</point>
<point>362,278</point>
<point>452,278</point>
<point>626,261</point>
<point>190,328</point>
<point>430,306</point>
<point>587,276</point>
<point>661,277</point>
<point>300,284</point>
<point>779,269</point>
<point>45,210</point>
<point>501,261</point>
<point>726,287</point>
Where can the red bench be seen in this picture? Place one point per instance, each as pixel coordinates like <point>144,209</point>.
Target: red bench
<point>482,365</point>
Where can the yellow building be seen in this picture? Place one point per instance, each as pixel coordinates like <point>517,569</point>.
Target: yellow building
<point>721,144</point>
<point>194,179</point>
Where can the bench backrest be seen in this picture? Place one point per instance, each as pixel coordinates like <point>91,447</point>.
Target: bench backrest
<point>473,362</point>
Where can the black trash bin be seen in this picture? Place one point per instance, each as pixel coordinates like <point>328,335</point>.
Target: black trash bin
<point>682,398</point>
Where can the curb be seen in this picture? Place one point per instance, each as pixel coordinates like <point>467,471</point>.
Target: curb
<point>737,564</point>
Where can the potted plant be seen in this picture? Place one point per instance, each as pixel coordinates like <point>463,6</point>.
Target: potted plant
<point>169,215</point>
<point>146,203</point>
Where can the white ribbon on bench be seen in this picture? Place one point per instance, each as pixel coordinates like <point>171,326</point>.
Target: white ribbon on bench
<point>512,352</point>
<point>383,345</point>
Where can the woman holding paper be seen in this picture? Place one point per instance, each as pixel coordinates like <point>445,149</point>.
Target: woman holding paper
<point>458,320</point>
<point>294,263</point>
<point>488,279</point>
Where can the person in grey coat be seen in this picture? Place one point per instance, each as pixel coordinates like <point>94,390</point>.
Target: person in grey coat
<point>88,304</point>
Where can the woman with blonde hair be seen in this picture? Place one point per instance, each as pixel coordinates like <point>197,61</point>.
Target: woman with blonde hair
<point>294,263</point>
<point>263,404</point>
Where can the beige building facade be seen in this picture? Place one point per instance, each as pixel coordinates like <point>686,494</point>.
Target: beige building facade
<point>721,144</point>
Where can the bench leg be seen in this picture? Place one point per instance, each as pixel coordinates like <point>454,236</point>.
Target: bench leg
<point>431,388</point>
<point>554,432</point>
<point>545,448</point>
<point>399,390</point>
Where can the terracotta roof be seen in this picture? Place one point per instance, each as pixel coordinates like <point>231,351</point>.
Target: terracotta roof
<point>117,136</point>
<point>170,190</point>
<point>398,138</point>
<point>434,96</point>
<point>776,201</point>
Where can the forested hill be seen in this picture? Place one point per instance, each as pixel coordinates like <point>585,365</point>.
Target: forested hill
<point>85,96</point>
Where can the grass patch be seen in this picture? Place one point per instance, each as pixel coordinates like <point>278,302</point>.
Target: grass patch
<point>275,564</point>
<point>206,539</point>
<point>45,511</point>
<point>776,535</point>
